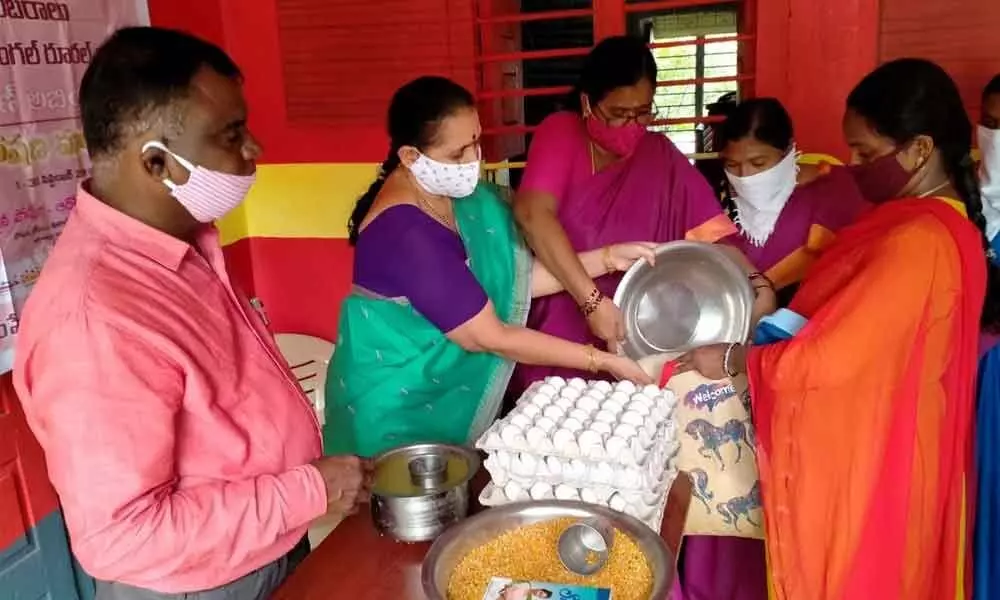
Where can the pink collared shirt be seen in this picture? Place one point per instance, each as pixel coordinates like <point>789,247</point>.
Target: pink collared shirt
<point>174,432</point>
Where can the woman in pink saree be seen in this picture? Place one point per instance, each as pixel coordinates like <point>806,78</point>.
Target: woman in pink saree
<point>596,176</point>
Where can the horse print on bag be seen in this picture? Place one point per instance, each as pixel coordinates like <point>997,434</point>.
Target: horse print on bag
<point>713,438</point>
<point>701,491</point>
<point>741,506</point>
<point>709,395</point>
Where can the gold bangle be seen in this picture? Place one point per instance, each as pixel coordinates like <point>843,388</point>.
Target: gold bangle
<point>592,359</point>
<point>608,265</point>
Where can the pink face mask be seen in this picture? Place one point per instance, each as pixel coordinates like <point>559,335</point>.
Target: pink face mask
<point>620,141</point>
<point>882,179</point>
<point>208,195</point>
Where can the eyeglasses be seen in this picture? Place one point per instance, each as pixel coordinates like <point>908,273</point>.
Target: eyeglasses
<point>619,117</point>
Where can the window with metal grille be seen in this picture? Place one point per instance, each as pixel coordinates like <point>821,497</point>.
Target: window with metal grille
<point>697,45</point>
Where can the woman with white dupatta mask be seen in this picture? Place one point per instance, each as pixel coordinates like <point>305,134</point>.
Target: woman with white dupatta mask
<point>786,212</point>
<point>988,138</point>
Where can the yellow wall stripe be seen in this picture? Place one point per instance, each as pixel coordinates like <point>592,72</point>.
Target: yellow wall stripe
<point>299,201</point>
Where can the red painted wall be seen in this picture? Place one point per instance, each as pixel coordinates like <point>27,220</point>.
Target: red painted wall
<point>963,41</point>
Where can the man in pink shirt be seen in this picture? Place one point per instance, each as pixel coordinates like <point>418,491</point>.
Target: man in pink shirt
<point>187,459</point>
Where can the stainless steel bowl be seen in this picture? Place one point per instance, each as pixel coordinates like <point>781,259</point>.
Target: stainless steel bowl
<point>458,541</point>
<point>421,490</point>
<point>695,295</point>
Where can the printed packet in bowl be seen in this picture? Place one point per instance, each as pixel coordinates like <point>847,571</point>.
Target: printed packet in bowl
<point>501,588</point>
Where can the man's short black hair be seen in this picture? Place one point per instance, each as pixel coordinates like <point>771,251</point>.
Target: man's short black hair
<point>137,71</point>
<point>993,87</point>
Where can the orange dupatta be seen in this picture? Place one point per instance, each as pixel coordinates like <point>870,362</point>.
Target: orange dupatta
<point>864,419</point>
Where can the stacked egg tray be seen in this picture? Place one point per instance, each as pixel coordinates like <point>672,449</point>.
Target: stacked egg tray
<point>609,444</point>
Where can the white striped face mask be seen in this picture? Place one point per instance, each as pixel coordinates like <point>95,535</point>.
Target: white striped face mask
<point>208,195</point>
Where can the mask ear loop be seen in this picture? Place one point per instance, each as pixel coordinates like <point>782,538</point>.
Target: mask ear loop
<point>180,160</point>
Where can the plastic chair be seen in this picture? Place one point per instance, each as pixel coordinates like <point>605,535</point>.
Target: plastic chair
<point>308,358</point>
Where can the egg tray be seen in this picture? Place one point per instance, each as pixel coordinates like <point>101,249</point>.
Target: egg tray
<point>492,496</point>
<point>539,420</point>
<point>644,478</point>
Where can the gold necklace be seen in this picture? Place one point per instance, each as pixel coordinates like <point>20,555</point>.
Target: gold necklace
<point>435,214</point>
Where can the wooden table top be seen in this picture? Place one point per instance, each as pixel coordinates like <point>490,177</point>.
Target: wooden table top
<point>355,561</point>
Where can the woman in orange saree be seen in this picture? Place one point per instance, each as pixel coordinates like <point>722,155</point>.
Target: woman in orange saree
<point>864,418</point>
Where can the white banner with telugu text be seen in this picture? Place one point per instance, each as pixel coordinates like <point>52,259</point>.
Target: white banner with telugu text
<point>44,49</point>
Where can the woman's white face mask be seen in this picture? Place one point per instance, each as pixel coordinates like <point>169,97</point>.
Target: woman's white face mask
<point>760,198</point>
<point>989,178</point>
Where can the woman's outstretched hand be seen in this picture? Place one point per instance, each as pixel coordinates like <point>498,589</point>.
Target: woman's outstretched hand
<point>710,361</point>
<point>625,369</point>
<point>622,256</point>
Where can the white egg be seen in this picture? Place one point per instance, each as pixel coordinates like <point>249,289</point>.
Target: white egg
<point>587,403</point>
<point>603,386</point>
<point>562,438</point>
<point>546,389</point>
<point>554,466</point>
<point>612,406</point>
<point>541,400</point>
<point>512,435</point>
<point>632,418</point>
<point>579,414</point>
<point>651,390</point>
<point>619,397</point>
<point>577,383</point>
<point>554,412</point>
<point>616,502</point>
<point>537,437</point>
<point>500,477</point>
<point>504,458</point>
<point>625,431</point>
<point>601,427</point>
<point>541,491</point>
<point>651,427</point>
<point>493,440</point>
<point>531,410</point>
<point>545,424</point>
<point>565,403</point>
<point>595,394</point>
<point>522,421</point>
<point>514,491</point>
<point>589,496</point>
<point>614,446</point>
<point>605,416</point>
<point>572,424</point>
<point>570,392</point>
<point>640,398</point>
<point>524,465</point>
<point>555,381</point>
<point>660,412</point>
<point>590,441</point>
<point>571,449</point>
<point>565,492</point>
<point>625,386</point>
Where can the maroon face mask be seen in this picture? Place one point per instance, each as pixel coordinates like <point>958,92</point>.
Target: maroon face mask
<point>882,179</point>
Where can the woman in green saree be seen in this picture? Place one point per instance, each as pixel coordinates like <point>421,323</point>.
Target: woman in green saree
<point>430,333</point>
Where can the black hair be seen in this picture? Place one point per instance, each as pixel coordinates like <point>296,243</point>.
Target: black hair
<point>615,62</point>
<point>415,113</point>
<point>139,70</point>
<point>910,97</point>
<point>763,119</point>
<point>993,87</point>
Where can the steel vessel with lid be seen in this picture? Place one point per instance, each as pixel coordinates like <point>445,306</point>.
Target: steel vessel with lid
<point>421,490</point>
